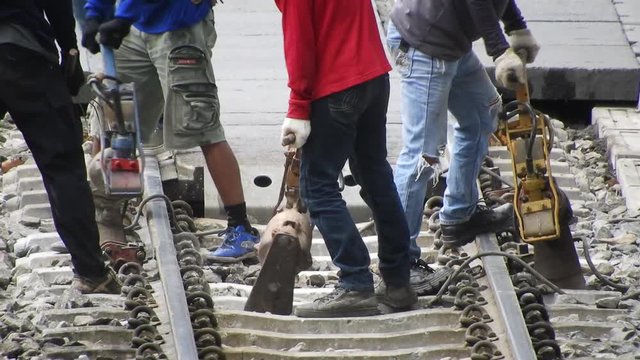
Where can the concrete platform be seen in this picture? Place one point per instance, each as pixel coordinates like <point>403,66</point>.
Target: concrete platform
<point>587,49</point>
<point>620,127</point>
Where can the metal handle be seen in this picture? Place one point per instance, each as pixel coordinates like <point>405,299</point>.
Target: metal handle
<point>289,139</point>
<point>109,60</point>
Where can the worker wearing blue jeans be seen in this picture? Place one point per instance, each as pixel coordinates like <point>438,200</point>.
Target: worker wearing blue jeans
<point>441,73</point>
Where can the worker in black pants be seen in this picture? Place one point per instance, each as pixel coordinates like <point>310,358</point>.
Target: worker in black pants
<point>36,92</point>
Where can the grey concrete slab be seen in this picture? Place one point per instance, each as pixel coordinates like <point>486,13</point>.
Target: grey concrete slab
<point>240,22</point>
<point>247,6</point>
<point>43,259</point>
<point>581,61</point>
<point>568,10</point>
<point>36,242</point>
<point>602,73</point>
<point>608,119</point>
<point>628,174</point>
<point>241,57</point>
<point>577,33</point>
<point>268,96</point>
<point>623,144</point>
<point>40,211</point>
<point>294,325</point>
<point>633,34</point>
<point>628,10</point>
<point>50,276</point>
<point>260,144</point>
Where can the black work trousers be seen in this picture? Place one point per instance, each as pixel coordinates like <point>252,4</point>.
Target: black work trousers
<point>34,92</point>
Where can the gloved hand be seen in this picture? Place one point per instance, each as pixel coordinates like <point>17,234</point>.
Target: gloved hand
<point>89,35</point>
<point>299,128</point>
<point>509,70</point>
<point>523,42</point>
<point>113,31</point>
<point>72,70</point>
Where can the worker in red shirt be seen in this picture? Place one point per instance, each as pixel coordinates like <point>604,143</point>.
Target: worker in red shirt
<point>338,75</point>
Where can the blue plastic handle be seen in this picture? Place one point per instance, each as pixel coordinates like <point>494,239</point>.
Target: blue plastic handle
<point>109,60</point>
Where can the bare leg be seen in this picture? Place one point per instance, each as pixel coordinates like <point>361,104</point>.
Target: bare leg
<point>225,172</point>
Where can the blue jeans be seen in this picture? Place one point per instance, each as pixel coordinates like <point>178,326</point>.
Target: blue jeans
<point>430,87</point>
<point>352,125</point>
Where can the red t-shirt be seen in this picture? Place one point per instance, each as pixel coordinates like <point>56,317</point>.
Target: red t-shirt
<point>329,46</point>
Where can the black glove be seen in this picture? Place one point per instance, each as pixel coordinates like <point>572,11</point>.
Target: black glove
<point>73,73</point>
<point>89,35</point>
<point>113,31</point>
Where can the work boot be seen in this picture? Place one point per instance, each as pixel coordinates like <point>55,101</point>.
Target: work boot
<point>398,298</point>
<point>427,281</point>
<point>483,220</point>
<point>238,244</point>
<point>340,303</point>
<point>107,284</point>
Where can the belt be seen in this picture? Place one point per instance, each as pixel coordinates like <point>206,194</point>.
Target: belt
<point>404,46</point>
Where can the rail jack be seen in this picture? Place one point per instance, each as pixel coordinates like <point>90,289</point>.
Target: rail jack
<point>115,172</point>
<point>285,247</point>
<point>543,211</point>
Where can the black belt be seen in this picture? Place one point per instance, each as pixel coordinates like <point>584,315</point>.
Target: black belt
<point>404,46</point>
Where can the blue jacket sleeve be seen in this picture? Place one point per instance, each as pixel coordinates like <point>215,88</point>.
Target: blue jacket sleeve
<point>104,10</point>
<point>99,9</point>
<point>129,10</point>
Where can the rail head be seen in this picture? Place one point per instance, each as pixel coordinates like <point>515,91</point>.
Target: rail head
<point>162,239</point>
<point>506,301</point>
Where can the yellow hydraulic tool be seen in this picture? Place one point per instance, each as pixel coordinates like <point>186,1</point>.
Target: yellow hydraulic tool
<point>528,134</point>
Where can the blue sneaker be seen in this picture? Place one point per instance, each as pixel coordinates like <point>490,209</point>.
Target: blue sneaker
<point>238,244</point>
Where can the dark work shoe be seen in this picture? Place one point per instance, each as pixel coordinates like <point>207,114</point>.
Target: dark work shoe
<point>340,303</point>
<point>107,284</point>
<point>398,298</point>
<point>427,281</point>
<point>484,220</point>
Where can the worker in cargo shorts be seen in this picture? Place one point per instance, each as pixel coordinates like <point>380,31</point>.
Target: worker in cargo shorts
<point>167,55</point>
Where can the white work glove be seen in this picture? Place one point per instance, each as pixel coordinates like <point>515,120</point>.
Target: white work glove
<point>524,44</point>
<point>509,70</point>
<point>299,128</point>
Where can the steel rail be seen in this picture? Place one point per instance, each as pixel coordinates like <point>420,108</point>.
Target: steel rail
<point>506,301</point>
<point>165,253</point>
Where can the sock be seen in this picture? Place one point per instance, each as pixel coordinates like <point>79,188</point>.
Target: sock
<point>237,215</point>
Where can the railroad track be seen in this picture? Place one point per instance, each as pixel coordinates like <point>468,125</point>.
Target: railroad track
<point>176,307</point>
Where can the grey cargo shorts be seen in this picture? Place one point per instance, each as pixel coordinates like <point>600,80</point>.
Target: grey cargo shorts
<point>172,73</point>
